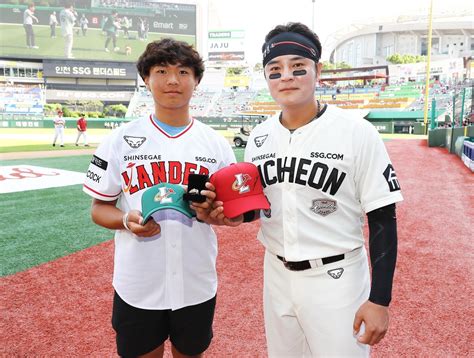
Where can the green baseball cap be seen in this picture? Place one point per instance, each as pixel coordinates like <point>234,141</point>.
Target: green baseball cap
<point>164,196</point>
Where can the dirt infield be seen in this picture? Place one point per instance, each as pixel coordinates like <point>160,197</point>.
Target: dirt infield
<point>62,308</point>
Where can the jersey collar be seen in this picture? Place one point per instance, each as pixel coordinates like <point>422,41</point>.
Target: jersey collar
<point>166,134</point>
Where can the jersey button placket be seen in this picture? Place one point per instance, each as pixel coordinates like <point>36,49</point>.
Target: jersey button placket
<point>175,264</point>
<point>289,204</point>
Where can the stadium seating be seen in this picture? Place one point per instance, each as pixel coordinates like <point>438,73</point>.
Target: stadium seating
<point>205,103</point>
<point>21,98</point>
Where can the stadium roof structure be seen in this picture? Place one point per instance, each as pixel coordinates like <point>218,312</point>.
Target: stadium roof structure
<point>378,38</point>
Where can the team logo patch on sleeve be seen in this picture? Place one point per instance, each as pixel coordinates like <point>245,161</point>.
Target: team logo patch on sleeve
<point>391,178</point>
<point>134,142</point>
<point>324,207</point>
<point>260,140</point>
<point>99,162</point>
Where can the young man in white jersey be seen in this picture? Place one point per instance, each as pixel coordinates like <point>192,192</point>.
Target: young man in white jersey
<point>164,273</point>
<point>59,124</point>
<point>322,169</point>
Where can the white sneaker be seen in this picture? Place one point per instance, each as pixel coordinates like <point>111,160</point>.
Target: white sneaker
<point>116,49</point>
<point>35,47</point>
<point>107,50</point>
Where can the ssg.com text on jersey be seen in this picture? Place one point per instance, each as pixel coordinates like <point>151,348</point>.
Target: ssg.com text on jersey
<point>323,155</point>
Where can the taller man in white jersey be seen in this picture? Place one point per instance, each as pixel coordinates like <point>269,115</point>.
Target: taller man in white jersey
<point>322,169</point>
<point>165,278</point>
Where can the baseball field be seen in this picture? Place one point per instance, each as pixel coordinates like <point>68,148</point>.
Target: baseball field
<point>84,47</point>
<point>56,265</point>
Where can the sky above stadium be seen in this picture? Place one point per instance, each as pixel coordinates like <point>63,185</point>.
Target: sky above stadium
<point>257,17</point>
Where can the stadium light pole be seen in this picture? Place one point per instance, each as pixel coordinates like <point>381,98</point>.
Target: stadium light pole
<point>428,64</point>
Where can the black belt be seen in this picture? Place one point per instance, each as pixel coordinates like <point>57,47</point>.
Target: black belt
<point>304,265</point>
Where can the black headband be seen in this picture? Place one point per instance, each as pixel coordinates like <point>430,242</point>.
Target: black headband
<point>289,43</point>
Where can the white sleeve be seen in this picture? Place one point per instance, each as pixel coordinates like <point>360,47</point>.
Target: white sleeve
<point>103,180</point>
<point>375,178</point>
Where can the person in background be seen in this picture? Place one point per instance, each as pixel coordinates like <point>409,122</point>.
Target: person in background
<point>126,24</point>
<point>28,19</point>
<point>111,26</point>
<point>84,24</point>
<point>67,20</point>
<point>53,22</point>
<point>140,29</point>
<point>59,125</point>
<point>82,130</point>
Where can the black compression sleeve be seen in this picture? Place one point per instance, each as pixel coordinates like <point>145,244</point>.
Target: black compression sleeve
<point>383,252</point>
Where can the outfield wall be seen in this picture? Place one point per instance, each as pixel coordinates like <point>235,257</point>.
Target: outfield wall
<point>386,127</point>
<point>447,137</point>
<point>70,123</point>
<point>214,122</point>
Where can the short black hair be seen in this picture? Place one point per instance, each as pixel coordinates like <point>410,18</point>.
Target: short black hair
<point>170,52</point>
<point>298,28</point>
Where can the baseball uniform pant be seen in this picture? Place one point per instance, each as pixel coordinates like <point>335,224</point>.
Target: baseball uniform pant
<point>68,39</point>
<point>30,35</point>
<point>59,132</point>
<point>311,312</point>
<point>83,134</point>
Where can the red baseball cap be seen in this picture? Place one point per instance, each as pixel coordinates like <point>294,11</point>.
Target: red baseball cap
<point>238,186</point>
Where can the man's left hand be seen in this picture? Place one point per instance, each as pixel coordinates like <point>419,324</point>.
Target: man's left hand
<point>211,211</point>
<point>375,318</point>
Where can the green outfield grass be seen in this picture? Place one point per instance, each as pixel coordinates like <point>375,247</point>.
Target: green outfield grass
<point>42,225</point>
<point>39,226</point>
<point>89,47</point>
<point>239,154</point>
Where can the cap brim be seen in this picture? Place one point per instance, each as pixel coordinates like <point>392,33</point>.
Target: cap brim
<point>241,205</point>
<point>170,207</point>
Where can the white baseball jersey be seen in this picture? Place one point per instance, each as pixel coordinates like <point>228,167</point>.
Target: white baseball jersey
<point>59,122</point>
<point>67,19</point>
<point>320,180</point>
<point>176,268</point>
<point>28,16</point>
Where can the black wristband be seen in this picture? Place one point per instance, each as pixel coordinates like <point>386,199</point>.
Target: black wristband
<point>383,253</point>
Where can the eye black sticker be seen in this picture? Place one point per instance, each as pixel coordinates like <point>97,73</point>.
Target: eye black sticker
<point>274,76</point>
<point>299,73</point>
